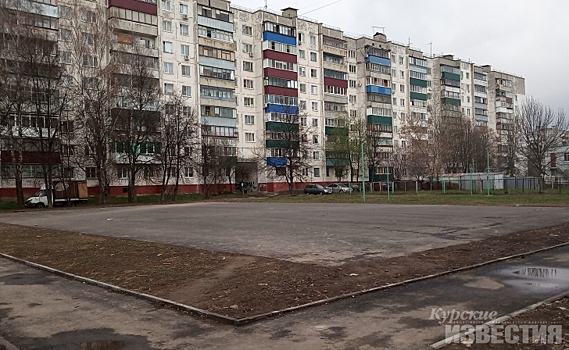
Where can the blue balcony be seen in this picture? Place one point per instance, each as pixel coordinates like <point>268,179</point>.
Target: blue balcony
<point>276,161</point>
<point>284,39</point>
<point>378,60</point>
<point>373,89</point>
<point>274,108</point>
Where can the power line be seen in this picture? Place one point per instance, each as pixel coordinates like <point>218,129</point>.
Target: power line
<point>321,7</point>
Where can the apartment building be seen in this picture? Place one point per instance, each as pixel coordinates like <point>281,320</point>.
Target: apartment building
<point>251,75</point>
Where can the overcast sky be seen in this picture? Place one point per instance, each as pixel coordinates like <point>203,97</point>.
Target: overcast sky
<point>529,38</point>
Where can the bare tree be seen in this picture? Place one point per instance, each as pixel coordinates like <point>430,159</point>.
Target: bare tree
<point>94,84</point>
<point>288,149</point>
<point>178,130</point>
<point>136,133</point>
<point>540,131</point>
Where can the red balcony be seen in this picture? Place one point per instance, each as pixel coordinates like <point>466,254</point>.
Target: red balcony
<point>134,5</point>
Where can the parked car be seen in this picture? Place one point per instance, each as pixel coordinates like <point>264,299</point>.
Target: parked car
<point>354,186</point>
<point>340,188</point>
<point>63,193</point>
<point>317,189</point>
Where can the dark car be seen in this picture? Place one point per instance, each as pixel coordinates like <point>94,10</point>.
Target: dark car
<point>317,189</point>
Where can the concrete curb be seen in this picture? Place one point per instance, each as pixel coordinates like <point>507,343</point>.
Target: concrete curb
<point>499,320</point>
<point>7,344</point>
<point>247,320</point>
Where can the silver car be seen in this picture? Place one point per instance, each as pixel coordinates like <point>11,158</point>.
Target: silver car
<point>317,189</point>
<point>339,188</point>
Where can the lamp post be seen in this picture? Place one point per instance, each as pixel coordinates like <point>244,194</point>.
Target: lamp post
<point>488,169</point>
<point>363,175</point>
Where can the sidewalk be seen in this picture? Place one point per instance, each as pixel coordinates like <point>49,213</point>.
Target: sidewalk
<point>42,311</point>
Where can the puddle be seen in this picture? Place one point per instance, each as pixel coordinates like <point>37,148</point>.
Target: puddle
<point>102,345</point>
<point>541,272</point>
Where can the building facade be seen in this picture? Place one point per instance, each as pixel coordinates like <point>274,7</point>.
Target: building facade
<point>251,77</point>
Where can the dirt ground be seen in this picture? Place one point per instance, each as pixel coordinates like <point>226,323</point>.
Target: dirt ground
<point>555,313</point>
<point>239,285</point>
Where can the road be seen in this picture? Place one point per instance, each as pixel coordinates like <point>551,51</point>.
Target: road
<point>317,233</point>
<point>40,311</point>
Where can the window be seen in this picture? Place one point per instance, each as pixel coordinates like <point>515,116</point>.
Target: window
<point>166,5</point>
<point>394,101</point>
<point>313,57</point>
<point>248,101</point>
<point>247,66</point>
<point>566,157</point>
<point>352,68</point>
<point>248,84</point>
<point>186,90</point>
<point>185,71</point>
<point>184,9</point>
<point>313,73</point>
<point>314,122</point>
<point>302,54</point>
<point>352,83</point>
<point>300,38</point>
<point>303,88</point>
<point>316,172</point>
<point>184,29</point>
<point>315,106</point>
<point>351,54</point>
<point>352,98</point>
<point>248,48</point>
<point>91,173</point>
<point>400,59</point>
<point>65,12</point>
<point>90,61</point>
<point>65,35</point>
<point>167,47</point>
<point>316,155</point>
<point>185,49</point>
<point>249,137</point>
<point>122,172</point>
<point>168,68</point>
<point>188,172</point>
<point>315,139</point>
<point>302,105</point>
<point>65,57</point>
<point>303,121</point>
<point>402,88</point>
<point>247,30</point>
<point>167,26</point>
<point>168,89</point>
<point>302,71</point>
<point>249,119</point>
<point>88,16</point>
<point>402,102</point>
<point>314,89</point>
<point>402,74</point>
<point>312,40</point>
<point>353,113</point>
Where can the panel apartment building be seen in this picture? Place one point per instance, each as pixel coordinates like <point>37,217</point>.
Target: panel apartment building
<point>249,74</point>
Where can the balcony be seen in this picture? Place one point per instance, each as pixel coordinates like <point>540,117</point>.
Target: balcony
<point>215,23</point>
<point>450,101</point>
<point>374,119</point>
<point>373,89</point>
<point>378,60</point>
<point>134,5</point>
<point>133,27</point>
<point>418,96</point>
<point>333,130</point>
<point>278,126</point>
<point>450,76</point>
<point>286,144</point>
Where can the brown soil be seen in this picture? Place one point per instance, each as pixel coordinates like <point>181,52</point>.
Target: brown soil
<point>555,313</point>
<point>239,285</point>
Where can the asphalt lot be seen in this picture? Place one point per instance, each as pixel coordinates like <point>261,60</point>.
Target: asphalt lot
<point>319,233</point>
<point>41,311</point>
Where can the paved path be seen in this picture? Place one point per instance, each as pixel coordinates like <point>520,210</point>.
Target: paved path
<point>39,311</point>
<point>322,233</point>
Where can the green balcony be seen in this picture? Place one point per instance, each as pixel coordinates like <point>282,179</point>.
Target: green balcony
<point>374,119</point>
<point>418,96</point>
<point>450,76</point>
<point>277,126</point>
<point>450,101</point>
<point>418,82</point>
<point>331,130</point>
<point>286,144</point>
<point>335,162</point>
